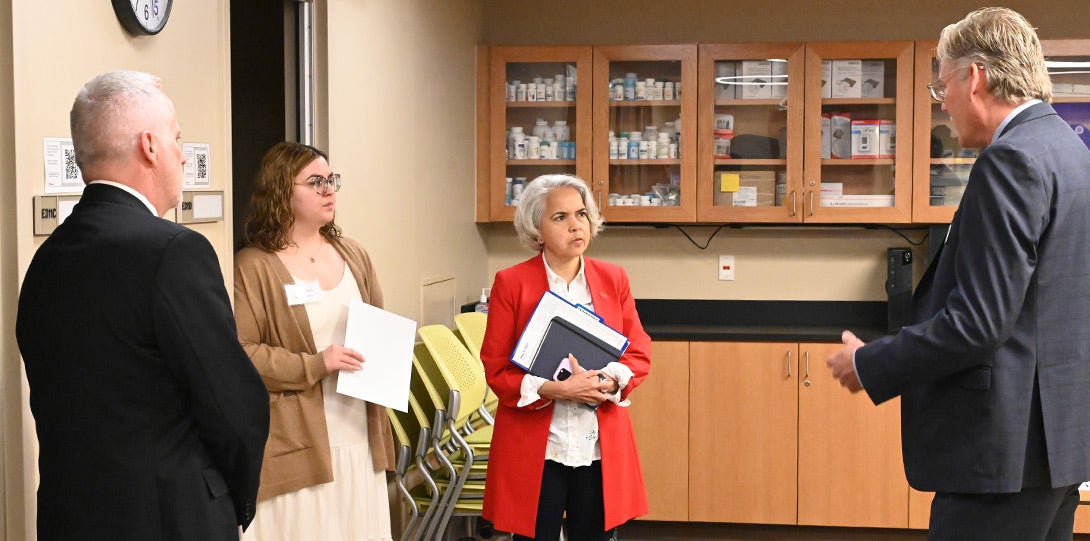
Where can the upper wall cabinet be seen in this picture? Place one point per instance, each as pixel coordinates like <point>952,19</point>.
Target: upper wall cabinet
<point>539,120</point>
<point>858,104</point>
<point>645,144</point>
<point>750,125</point>
<point>942,165</point>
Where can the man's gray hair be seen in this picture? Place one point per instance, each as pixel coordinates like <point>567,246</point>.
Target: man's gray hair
<point>111,110</point>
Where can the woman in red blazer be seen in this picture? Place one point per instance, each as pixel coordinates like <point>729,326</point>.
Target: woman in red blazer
<point>552,454</point>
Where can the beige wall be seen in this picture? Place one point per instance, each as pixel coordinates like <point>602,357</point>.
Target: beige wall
<point>400,97</point>
<point>55,47</point>
<point>9,366</point>
<point>772,263</point>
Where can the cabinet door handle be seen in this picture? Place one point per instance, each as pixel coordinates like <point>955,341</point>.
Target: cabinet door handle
<point>807,354</point>
<point>788,364</point>
<point>793,198</point>
<point>811,202</point>
<point>598,200</point>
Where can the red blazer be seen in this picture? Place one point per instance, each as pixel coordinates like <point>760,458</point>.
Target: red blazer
<point>517,455</point>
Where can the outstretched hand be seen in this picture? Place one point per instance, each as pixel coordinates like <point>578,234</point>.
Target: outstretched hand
<point>842,363</point>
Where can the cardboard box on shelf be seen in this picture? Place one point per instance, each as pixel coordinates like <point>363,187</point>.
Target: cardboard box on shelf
<point>826,135</point>
<point>846,78</point>
<point>745,188</point>
<point>779,78</point>
<point>826,78</point>
<point>865,139</point>
<point>887,139</point>
<point>840,135</point>
<point>872,79</point>
<point>756,79</point>
<point>726,74</point>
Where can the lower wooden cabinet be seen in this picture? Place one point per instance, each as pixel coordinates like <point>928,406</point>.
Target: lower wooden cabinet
<point>772,438</point>
<point>850,467</point>
<point>743,422</point>
<point>660,417</point>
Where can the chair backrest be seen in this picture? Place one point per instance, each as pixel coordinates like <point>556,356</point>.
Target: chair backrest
<point>472,325</point>
<point>457,367</point>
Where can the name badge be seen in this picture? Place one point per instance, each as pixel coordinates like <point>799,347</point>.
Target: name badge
<point>303,293</point>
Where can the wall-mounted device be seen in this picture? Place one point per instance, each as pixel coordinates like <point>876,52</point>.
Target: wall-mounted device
<point>203,206</point>
<point>51,210</point>
<point>899,286</point>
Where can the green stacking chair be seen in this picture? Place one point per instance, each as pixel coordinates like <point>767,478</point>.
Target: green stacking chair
<point>471,326</point>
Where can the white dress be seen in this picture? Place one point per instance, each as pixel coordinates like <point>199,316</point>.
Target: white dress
<point>356,505</point>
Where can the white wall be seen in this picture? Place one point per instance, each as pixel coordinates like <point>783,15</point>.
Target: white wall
<point>400,94</point>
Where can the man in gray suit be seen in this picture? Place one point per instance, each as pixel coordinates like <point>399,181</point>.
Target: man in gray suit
<point>994,374</point>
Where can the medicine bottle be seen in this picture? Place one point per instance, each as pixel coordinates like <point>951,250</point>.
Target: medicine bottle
<point>539,128</point>
<point>562,130</point>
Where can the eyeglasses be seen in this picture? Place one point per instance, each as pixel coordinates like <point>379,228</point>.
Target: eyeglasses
<point>321,184</point>
<point>938,88</point>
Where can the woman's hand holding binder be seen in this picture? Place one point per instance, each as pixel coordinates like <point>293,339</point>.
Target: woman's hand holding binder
<point>577,385</point>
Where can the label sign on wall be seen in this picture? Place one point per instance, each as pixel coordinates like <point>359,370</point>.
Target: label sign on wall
<point>62,175</point>
<point>198,165</point>
<point>198,207</point>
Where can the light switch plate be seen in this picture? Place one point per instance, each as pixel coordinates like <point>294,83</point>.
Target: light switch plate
<point>726,267</point>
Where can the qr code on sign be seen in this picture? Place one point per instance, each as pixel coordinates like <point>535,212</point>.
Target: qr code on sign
<point>202,165</point>
<point>71,171</point>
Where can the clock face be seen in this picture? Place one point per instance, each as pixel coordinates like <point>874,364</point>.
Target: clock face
<point>143,16</point>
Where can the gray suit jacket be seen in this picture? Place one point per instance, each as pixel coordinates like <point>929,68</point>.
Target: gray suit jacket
<point>1007,298</point>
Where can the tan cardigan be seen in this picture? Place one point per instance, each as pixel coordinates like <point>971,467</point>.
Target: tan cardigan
<point>279,341</point>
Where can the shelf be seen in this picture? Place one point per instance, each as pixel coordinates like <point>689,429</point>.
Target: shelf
<point>736,161</point>
<point>1070,99</point>
<point>952,161</point>
<point>858,101</point>
<point>538,104</point>
<point>742,102</point>
<point>664,161</point>
<point>645,103</point>
<point>857,162</point>
<point>544,163</point>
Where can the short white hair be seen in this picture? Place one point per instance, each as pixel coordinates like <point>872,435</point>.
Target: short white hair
<point>531,207</point>
<point>111,111</point>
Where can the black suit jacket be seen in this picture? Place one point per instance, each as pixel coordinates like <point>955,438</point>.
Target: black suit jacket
<point>1005,304</point>
<point>151,419</point>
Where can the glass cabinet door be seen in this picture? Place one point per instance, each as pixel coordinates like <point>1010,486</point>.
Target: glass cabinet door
<point>540,123</point>
<point>941,164</point>
<point>750,126</point>
<point>644,132</point>
<point>858,103</point>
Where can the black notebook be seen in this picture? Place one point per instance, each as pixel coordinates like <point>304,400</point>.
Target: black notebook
<point>562,338</point>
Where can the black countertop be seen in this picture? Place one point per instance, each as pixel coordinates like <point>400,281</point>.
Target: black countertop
<point>761,321</point>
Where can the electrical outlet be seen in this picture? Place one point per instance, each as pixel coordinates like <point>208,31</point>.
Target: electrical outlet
<point>726,267</point>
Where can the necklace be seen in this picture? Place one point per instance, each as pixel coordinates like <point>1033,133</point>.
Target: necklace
<point>315,254</point>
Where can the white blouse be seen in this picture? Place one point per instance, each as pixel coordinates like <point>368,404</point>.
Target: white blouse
<point>573,433</point>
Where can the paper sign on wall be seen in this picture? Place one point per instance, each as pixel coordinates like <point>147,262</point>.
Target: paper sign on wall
<point>62,175</point>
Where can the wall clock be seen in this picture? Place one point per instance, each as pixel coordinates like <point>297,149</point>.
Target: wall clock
<point>143,17</point>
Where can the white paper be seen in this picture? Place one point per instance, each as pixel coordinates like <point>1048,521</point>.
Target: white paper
<point>386,342</point>
<point>198,165</point>
<point>62,175</point>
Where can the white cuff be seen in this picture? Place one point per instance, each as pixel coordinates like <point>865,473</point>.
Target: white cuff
<point>622,374</point>
<point>530,386</point>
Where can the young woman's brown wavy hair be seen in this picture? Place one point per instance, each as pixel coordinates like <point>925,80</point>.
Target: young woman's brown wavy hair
<point>270,220</point>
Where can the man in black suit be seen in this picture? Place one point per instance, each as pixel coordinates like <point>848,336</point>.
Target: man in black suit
<point>994,375</point>
<point>151,419</point>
